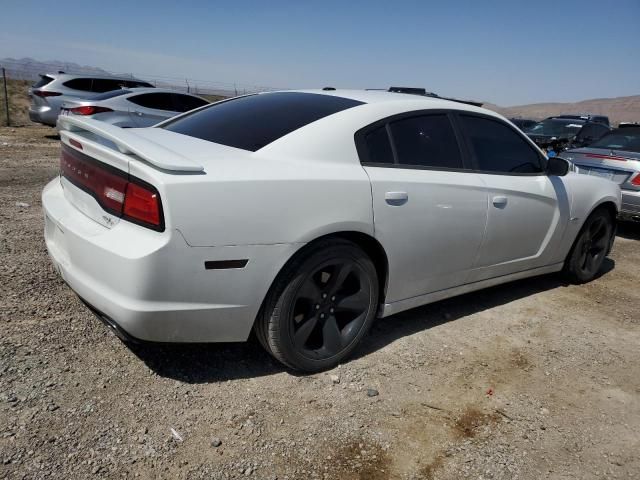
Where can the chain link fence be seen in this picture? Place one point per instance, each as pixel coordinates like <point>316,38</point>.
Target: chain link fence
<point>17,78</point>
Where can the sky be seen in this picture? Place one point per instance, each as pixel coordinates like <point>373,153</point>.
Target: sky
<point>503,52</point>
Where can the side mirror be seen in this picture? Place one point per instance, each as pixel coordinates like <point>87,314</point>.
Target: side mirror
<point>558,166</point>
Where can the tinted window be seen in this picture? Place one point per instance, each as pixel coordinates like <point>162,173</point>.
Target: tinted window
<point>591,131</point>
<point>427,141</point>
<point>158,101</point>
<point>106,85</point>
<point>184,103</point>
<point>378,146</point>
<point>44,80</point>
<point>254,121</point>
<point>498,148</point>
<point>136,84</point>
<point>79,84</point>
<point>111,94</point>
<point>626,139</point>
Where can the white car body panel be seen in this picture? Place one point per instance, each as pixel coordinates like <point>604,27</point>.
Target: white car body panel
<point>223,203</point>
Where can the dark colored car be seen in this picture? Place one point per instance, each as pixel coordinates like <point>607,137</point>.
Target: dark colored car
<point>603,119</point>
<point>559,133</point>
<point>523,124</point>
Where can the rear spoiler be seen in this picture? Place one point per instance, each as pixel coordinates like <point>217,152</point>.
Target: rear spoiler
<point>129,143</point>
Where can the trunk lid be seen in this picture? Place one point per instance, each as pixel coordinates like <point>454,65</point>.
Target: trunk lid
<point>616,165</point>
<point>95,165</point>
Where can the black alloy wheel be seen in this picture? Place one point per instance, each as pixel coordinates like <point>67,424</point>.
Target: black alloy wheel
<point>320,307</point>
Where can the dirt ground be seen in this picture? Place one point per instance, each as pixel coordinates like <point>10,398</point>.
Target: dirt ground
<point>530,380</point>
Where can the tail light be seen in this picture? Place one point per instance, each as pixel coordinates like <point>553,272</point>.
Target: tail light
<point>89,110</point>
<point>636,180</point>
<point>45,93</point>
<point>117,192</point>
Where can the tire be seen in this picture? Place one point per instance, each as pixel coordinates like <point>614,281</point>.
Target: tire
<point>320,306</point>
<point>590,248</point>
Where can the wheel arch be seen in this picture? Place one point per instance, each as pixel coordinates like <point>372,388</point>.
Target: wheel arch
<point>369,245</point>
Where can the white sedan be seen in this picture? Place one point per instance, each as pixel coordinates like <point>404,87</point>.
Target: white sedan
<point>304,215</point>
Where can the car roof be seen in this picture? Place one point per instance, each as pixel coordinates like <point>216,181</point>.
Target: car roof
<point>139,90</point>
<point>384,97</point>
<point>106,76</point>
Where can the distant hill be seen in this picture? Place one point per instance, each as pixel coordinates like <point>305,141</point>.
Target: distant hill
<point>619,109</point>
<point>29,69</point>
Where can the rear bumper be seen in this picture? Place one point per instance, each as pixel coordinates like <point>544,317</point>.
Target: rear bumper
<point>44,115</point>
<point>630,204</point>
<point>153,286</point>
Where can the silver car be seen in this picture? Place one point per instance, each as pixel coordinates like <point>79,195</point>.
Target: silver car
<point>134,107</point>
<point>53,89</point>
<point>615,156</point>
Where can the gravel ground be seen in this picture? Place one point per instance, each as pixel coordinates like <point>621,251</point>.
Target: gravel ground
<point>530,380</point>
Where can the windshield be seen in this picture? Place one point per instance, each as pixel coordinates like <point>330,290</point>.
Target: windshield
<point>626,140</point>
<point>111,94</point>
<point>556,127</point>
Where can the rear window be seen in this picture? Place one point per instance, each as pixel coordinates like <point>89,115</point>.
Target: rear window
<point>44,80</point>
<point>255,121</point>
<point>627,139</point>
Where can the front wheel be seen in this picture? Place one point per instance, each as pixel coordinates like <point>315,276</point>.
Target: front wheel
<point>590,248</point>
<point>322,304</point>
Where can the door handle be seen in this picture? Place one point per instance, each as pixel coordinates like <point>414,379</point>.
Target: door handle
<point>137,113</point>
<point>499,202</point>
<point>396,198</point>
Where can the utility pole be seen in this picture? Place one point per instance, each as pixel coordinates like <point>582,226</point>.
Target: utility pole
<point>6,95</point>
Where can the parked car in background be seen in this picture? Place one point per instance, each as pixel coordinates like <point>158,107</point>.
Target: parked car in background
<point>615,156</point>
<point>134,107</point>
<point>53,89</point>
<point>523,123</point>
<point>587,117</point>
<point>556,134</point>
<point>629,125</point>
<point>304,215</point>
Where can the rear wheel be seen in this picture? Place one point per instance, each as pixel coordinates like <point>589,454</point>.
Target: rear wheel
<point>322,304</point>
<point>590,248</point>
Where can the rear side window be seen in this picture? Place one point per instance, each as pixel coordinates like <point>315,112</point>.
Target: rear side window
<point>255,121</point>
<point>378,146</point>
<point>44,80</point>
<point>158,101</point>
<point>83,84</point>
<point>136,84</point>
<point>184,103</point>
<point>111,94</point>
<point>498,148</point>
<point>101,85</point>
<point>426,141</point>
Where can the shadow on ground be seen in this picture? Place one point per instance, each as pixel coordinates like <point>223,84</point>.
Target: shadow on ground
<point>207,363</point>
<point>629,230</point>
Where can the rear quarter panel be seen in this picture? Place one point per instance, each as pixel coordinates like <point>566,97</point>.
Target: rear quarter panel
<point>270,202</point>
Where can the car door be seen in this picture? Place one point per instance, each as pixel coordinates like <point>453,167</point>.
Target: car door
<point>429,209</point>
<point>527,209</point>
<point>147,109</point>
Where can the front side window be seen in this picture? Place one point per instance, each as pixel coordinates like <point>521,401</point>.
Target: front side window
<point>426,141</point>
<point>498,148</point>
